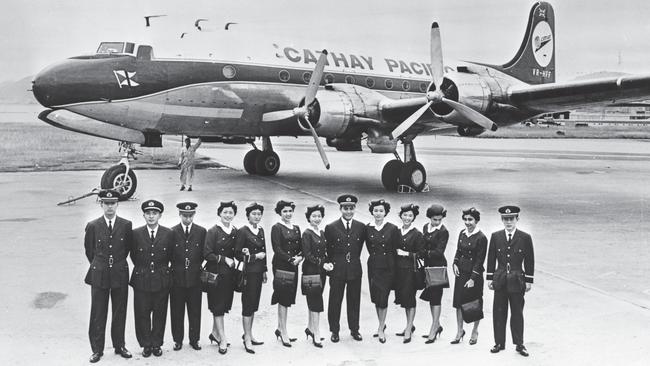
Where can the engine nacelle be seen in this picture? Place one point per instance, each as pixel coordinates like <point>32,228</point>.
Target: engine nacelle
<point>470,131</point>
<point>468,89</point>
<point>331,114</point>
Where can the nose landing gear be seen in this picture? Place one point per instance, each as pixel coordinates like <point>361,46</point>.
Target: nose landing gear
<point>121,177</point>
<point>405,176</point>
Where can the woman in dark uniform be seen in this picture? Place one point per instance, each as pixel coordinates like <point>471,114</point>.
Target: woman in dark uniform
<point>406,265</point>
<point>382,239</point>
<point>314,248</point>
<point>250,247</point>
<point>286,242</point>
<point>433,253</point>
<point>219,252</point>
<point>468,269</point>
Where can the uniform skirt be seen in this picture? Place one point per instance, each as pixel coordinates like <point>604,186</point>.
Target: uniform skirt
<point>463,294</point>
<point>380,281</point>
<point>315,301</point>
<point>220,297</point>
<point>284,295</point>
<point>405,287</point>
<point>250,296</point>
<point>433,295</point>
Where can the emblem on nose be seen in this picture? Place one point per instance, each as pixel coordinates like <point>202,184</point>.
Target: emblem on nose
<point>125,78</point>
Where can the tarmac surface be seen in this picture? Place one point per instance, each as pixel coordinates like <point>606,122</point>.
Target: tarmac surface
<point>585,202</point>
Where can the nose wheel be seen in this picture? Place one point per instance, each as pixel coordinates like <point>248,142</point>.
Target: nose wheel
<point>262,162</point>
<point>405,176</point>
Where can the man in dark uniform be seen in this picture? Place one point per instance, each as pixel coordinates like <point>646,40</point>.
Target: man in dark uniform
<point>108,242</point>
<point>511,251</point>
<point>345,238</point>
<point>151,278</point>
<point>186,271</point>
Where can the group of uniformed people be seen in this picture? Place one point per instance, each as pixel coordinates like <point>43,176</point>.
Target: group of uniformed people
<point>169,268</point>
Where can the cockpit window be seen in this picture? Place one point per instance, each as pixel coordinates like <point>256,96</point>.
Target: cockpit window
<point>115,47</point>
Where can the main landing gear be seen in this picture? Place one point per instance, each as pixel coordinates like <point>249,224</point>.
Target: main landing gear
<point>121,177</point>
<point>262,162</point>
<point>405,176</point>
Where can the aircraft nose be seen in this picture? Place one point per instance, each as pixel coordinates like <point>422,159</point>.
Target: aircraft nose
<point>43,87</point>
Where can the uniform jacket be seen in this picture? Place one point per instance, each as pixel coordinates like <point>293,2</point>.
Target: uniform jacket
<point>314,248</point>
<point>255,244</point>
<point>218,247</point>
<point>470,254</point>
<point>107,251</point>
<point>514,262</point>
<point>286,243</point>
<point>435,243</point>
<point>151,271</point>
<point>344,249</point>
<point>382,245</point>
<point>412,242</point>
<point>187,255</point>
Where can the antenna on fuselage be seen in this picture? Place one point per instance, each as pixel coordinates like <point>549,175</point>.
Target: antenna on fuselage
<point>148,17</point>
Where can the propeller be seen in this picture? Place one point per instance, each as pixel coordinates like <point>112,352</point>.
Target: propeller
<point>302,112</point>
<point>437,96</point>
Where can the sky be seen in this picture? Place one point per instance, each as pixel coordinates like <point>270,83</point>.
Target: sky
<point>591,36</point>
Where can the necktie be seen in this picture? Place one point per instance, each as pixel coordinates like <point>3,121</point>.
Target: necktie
<point>347,225</point>
<point>152,237</point>
<point>187,230</point>
<point>110,226</point>
<point>509,237</point>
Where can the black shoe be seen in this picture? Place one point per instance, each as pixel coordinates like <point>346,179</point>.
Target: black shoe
<point>122,351</point>
<point>497,348</point>
<point>356,336</point>
<point>256,343</point>
<point>377,334</point>
<point>223,351</point>
<point>195,346</point>
<point>157,351</point>
<point>249,350</point>
<point>401,334</point>
<point>278,335</point>
<point>178,346</point>
<point>335,337</point>
<point>407,340</point>
<point>213,339</point>
<point>95,357</point>
<point>473,340</point>
<point>522,350</point>
<point>458,340</point>
<point>146,352</point>
<point>189,189</point>
<point>435,336</point>
<point>182,188</point>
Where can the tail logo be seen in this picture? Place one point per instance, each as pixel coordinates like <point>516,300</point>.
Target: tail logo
<point>542,44</point>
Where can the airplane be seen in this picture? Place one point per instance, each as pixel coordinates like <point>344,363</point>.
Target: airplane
<point>124,93</point>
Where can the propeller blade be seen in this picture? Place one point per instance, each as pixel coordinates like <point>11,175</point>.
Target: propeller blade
<point>397,132</point>
<point>321,151</point>
<point>315,79</point>
<point>471,115</point>
<point>437,67</point>
<point>277,115</point>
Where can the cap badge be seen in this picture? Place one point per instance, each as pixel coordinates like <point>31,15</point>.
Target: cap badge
<point>188,207</point>
<point>507,210</point>
<point>109,195</point>
<point>348,199</point>
<point>150,204</point>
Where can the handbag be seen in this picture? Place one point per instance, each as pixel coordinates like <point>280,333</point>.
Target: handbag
<point>436,277</point>
<point>209,279</point>
<point>472,311</point>
<point>239,276</point>
<point>311,284</point>
<point>283,279</point>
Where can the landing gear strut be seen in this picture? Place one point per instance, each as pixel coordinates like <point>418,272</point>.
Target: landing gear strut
<point>121,177</point>
<point>407,175</point>
<point>262,162</point>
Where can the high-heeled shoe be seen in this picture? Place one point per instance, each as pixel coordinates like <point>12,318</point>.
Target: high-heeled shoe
<point>458,340</point>
<point>435,336</point>
<point>213,339</point>
<point>473,340</point>
<point>309,333</point>
<point>377,334</point>
<point>278,335</point>
<point>401,334</point>
<point>249,350</point>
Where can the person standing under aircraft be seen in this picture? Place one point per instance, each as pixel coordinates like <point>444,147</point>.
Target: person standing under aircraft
<point>151,279</point>
<point>107,243</point>
<point>511,252</point>
<point>186,162</point>
<point>433,253</point>
<point>187,259</point>
<point>468,269</point>
<point>287,255</point>
<point>250,247</point>
<point>219,252</point>
<point>314,249</point>
<point>382,239</point>
<point>345,238</point>
<point>406,266</point>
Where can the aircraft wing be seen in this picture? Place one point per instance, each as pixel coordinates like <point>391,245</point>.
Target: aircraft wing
<point>583,93</point>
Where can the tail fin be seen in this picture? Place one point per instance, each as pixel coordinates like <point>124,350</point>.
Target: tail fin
<point>534,63</point>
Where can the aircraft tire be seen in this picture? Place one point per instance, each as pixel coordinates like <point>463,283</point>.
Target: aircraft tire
<point>267,163</point>
<point>114,176</point>
<point>390,174</point>
<point>413,175</point>
<point>249,161</point>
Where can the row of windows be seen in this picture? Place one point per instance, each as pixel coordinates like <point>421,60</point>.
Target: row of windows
<point>229,72</point>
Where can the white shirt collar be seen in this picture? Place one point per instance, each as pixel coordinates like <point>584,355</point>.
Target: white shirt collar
<point>253,230</point>
<point>315,231</point>
<point>111,220</point>
<point>378,228</point>
<point>189,227</point>
<point>512,232</point>
<point>344,221</point>
<point>431,228</point>
<point>225,229</point>
<point>401,229</point>
<point>288,226</point>
<point>155,230</point>
<point>476,230</point>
